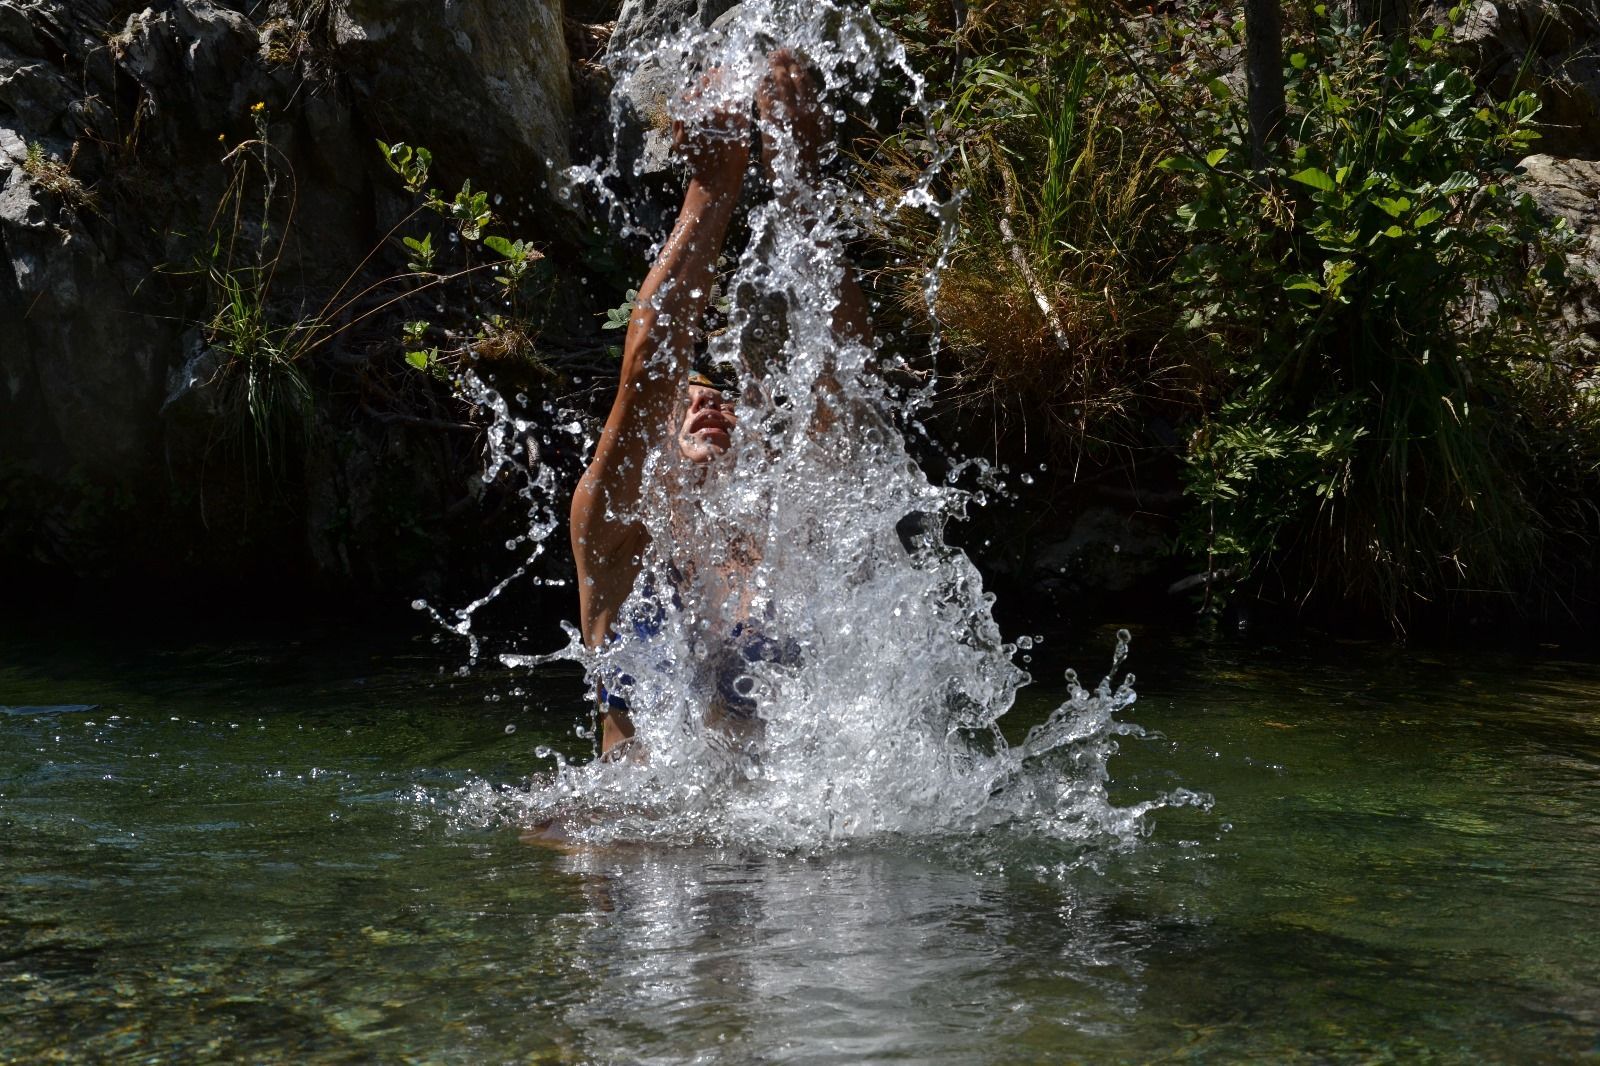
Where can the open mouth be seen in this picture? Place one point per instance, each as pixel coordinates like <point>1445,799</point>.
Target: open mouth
<point>711,426</point>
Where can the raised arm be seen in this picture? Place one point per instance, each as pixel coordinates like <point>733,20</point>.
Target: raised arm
<point>608,540</point>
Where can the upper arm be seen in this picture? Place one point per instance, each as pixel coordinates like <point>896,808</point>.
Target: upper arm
<point>608,534</point>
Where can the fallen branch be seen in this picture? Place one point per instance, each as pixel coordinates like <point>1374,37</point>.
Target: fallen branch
<point>1021,260</point>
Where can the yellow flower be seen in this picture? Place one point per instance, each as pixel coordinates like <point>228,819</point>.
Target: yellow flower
<point>258,107</point>
<point>222,138</point>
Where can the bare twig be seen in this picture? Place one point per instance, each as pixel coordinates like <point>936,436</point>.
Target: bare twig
<point>1018,257</point>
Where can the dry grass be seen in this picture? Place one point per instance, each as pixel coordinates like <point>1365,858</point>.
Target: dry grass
<point>1050,306</point>
<point>55,177</point>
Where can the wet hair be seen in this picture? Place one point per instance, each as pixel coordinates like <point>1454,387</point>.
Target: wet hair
<point>713,374</point>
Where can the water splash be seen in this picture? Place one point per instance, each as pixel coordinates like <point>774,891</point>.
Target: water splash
<point>879,672</point>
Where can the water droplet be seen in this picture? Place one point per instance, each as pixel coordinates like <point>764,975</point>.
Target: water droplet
<point>898,658</point>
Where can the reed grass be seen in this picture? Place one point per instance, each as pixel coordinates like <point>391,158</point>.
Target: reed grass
<point>1049,304</point>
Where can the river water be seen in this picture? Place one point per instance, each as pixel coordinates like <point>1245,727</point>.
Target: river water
<point>264,849</point>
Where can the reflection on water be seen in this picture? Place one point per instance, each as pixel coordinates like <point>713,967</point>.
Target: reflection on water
<point>849,958</point>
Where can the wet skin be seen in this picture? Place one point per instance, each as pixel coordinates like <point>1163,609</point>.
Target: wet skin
<point>708,424</point>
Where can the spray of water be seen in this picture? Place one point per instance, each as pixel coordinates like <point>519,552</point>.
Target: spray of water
<point>804,571</point>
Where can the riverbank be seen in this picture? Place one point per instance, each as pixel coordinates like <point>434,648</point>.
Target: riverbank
<point>238,329</point>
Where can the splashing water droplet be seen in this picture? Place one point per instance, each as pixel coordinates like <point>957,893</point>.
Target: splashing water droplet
<point>797,673</point>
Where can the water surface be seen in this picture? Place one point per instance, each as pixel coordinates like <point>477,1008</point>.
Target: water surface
<point>255,849</point>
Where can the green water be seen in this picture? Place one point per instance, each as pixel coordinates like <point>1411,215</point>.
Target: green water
<point>224,850</point>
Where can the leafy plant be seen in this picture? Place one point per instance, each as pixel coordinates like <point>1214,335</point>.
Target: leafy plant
<point>470,210</point>
<point>518,255</point>
<point>512,262</point>
<point>1366,302</point>
<point>619,316</point>
<point>425,359</point>
<point>421,259</point>
<point>412,164</point>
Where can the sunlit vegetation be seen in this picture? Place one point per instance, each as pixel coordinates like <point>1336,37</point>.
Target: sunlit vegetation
<point>1348,318</point>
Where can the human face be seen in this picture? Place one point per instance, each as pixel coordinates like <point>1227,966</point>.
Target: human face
<point>707,429</point>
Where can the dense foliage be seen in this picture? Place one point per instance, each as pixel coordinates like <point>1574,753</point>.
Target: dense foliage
<point>1375,413</point>
<point>1369,305</point>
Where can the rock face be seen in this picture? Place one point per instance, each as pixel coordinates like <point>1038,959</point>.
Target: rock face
<point>484,84</point>
<point>642,140</point>
<point>1551,47</point>
<point>118,432</point>
<point>1570,189</point>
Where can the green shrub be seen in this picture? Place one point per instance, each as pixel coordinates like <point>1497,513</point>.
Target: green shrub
<point>1371,307</point>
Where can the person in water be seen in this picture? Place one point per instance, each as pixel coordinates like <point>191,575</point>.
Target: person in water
<point>658,394</point>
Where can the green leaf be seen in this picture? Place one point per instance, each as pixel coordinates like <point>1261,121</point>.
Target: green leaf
<point>1427,218</point>
<point>501,246</point>
<point>1394,207</point>
<point>1335,273</point>
<point>418,359</point>
<point>1314,177</point>
<point>1296,282</point>
<point>1298,60</point>
<point>1215,156</point>
<point>1200,216</point>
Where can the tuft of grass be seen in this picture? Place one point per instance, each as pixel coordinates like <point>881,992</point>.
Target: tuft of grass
<point>1050,303</point>
<point>54,176</point>
<point>261,377</point>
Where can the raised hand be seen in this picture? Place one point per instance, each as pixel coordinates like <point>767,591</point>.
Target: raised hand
<point>790,105</point>
<point>715,142</point>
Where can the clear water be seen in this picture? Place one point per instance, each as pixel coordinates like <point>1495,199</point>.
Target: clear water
<point>221,851</point>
